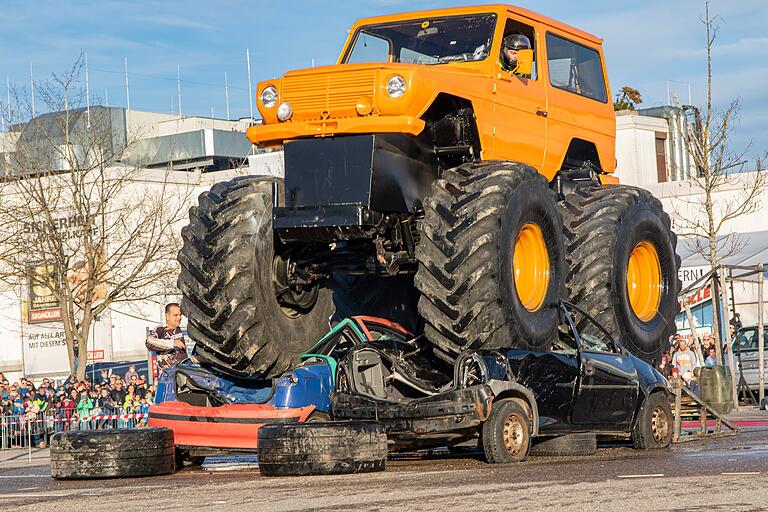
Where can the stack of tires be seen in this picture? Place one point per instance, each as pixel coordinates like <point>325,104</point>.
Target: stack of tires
<point>117,453</point>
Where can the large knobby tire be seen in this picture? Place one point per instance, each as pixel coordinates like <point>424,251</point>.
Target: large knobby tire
<point>491,259</point>
<point>568,445</point>
<point>322,448</point>
<point>653,430</point>
<point>623,265</point>
<point>506,434</point>
<point>112,453</point>
<point>229,289</point>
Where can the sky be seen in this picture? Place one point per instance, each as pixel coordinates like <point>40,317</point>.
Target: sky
<point>651,45</point>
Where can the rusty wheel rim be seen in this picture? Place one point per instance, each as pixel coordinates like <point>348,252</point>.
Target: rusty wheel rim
<point>514,435</point>
<point>659,425</point>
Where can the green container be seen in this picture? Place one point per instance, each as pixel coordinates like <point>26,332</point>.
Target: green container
<point>717,388</point>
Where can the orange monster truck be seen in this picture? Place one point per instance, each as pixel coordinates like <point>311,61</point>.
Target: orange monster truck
<point>438,177</point>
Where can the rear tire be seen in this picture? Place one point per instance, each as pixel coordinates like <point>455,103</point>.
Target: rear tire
<point>506,434</point>
<point>331,448</point>
<point>229,288</point>
<point>475,291</point>
<point>605,228</point>
<point>116,453</point>
<point>567,445</point>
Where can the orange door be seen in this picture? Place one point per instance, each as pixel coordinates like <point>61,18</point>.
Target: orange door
<point>520,117</point>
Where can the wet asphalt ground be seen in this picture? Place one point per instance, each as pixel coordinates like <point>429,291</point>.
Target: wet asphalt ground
<point>728,473</point>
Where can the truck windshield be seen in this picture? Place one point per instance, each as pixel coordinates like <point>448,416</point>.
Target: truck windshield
<point>425,41</point>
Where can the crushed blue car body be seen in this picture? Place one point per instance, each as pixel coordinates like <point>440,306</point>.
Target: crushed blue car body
<point>308,383</point>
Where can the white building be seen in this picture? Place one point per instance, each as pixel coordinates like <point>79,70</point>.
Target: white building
<point>192,153</point>
<point>650,153</point>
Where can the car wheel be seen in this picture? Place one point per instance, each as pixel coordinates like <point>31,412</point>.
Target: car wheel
<point>184,459</point>
<point>329,448</point>
<point>506,434</point>
<point>567,445</point>
<point>653,430</point>
<point>114,453</point>
<point>318,417</point>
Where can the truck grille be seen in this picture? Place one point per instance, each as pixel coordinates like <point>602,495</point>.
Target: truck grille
<point>335,93</point>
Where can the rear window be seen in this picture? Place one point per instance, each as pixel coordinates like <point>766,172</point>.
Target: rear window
<point>575,68</point>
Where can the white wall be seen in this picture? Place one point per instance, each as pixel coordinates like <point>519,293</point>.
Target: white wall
<point>636,147</point>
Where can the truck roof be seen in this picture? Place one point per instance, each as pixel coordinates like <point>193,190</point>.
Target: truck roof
<point>499,9</point>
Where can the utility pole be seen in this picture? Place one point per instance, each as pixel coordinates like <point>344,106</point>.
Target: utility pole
<point>226,93</point>
<point>32,88</point>
<point>8,100</point>
<point>250,86</point>
<point>106,97</point>
<point>87,94</point>
<point>760,334</point>
<point>178,87</point>
<point>127,96</point>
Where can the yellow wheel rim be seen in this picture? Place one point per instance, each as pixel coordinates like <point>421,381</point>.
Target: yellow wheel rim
<point>644,281</point>
<point>531,266</point>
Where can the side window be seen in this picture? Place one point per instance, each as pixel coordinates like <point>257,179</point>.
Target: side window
<point>566,342</point>
<point>575,68</point>
<point>345,344</point>
<point>369,48</point>
<point>593,337</point>
<point>515,27</point>
<point>746,341</point>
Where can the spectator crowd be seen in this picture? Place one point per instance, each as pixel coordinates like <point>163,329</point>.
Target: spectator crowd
<point>73,405</point>
<point>682,361</point>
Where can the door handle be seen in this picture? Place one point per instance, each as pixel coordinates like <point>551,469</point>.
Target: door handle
<point>542,113</point>
<point>589,370</point>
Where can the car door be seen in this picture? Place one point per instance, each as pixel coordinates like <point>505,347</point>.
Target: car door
<point>745,348</point>
<point>553,377</point>
<point>608,387</point>
<point>520,118</point>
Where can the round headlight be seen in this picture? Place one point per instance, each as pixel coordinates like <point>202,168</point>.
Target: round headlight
<point>269,96</point>
<point>284,111</point>
<point>396,86</point>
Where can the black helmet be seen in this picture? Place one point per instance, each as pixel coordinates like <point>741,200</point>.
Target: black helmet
<point>516,42</point>
<point>513,42</point>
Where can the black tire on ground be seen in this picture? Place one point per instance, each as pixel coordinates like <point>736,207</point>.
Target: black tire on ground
<point>603,225</point>
<point>322,448</point>
<point>653,430</point>
<point>567,445</point>
<point>184,459</point>
<point>318,417</point>
<point>114,453</point>
<point>466,253</point>
<point>506,434</point>
<point>228,290</point>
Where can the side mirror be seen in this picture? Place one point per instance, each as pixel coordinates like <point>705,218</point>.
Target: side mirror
<point>524,62</point>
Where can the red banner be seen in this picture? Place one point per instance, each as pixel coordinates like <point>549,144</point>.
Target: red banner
<point>694,299</point>
<point>44,315</point>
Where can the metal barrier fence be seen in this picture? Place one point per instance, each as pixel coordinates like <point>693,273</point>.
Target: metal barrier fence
<point>25,430</point>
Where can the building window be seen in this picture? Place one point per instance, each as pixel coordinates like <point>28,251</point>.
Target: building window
<point>661,157</point>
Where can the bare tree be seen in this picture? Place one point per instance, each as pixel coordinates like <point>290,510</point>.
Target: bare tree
<point>718,167</point>
<point>77,222</point>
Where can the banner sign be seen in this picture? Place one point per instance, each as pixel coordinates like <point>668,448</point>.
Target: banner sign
<point>697,298</point>
<point>43,304</point>
<point>45,350</point>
